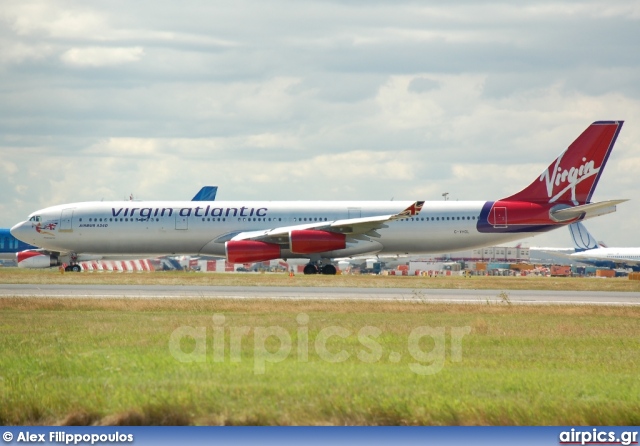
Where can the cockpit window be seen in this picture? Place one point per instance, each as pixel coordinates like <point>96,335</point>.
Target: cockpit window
<point>35,218</point>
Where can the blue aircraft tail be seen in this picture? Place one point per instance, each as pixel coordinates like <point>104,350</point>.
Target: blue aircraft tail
<point>582,239</point>
<point>207,193</point>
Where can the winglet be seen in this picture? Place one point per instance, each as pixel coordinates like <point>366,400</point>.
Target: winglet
<point>411,211</point>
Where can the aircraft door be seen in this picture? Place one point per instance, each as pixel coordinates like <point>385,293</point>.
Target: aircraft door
<point>66,220</point>
<point>182,223</point>
<point>500,217</point>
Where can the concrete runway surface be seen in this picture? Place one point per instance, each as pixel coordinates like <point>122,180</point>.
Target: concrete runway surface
<point>322,293</point>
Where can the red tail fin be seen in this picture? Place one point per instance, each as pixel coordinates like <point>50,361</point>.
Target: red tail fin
<point>572,178</point>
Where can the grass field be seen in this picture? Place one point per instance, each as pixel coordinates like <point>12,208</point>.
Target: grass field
<point>16,275</point>
<point>114,361</point>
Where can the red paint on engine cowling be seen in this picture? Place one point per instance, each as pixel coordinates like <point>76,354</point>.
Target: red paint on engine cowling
<point>246,251</point>
<point>24,255</point>
<point>310,241</point>
<point>34,259</point>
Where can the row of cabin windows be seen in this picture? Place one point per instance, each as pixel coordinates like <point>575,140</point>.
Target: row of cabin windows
<point>111,219</point>
<point>257,219</point>
<point>94,220</point>
<point>298,219</point>
<point>310,219</point>
<point>473,217</point>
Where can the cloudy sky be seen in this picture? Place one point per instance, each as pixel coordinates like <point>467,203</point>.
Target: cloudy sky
<point>303,100</point>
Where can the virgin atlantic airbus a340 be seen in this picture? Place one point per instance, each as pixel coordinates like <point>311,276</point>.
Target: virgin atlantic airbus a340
<point>250,231</point>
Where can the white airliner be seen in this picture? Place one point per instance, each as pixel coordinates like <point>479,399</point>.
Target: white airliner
<point>247,231</point>
<point>587,250</point>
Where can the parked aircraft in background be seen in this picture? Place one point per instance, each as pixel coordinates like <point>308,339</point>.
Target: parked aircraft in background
<point>29,256</point>
<point>244,231</point>
<point>587,250</point>
<point>207,193</point>
<point>9,245</point>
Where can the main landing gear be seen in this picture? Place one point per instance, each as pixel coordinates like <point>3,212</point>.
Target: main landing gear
<point>73,266</point>
<point>312,268</point>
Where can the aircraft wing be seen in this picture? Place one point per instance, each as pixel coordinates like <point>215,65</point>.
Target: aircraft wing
<point>619,260</point>
<point>356,228</point>
<point>561,252</point>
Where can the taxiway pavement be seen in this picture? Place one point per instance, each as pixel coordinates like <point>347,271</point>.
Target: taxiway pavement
<point>322,293</point>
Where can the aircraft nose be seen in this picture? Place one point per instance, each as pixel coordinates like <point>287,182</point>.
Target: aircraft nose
<point>20,231</point>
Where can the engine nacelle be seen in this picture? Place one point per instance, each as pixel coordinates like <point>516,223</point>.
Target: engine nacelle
<point>247,251</point>
<point>36,259</point>
<point>310,241</point>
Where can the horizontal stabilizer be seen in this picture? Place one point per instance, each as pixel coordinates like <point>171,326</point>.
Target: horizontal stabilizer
<point>586,210</point>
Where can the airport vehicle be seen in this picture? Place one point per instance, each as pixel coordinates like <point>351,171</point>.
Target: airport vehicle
<point>249,231</point>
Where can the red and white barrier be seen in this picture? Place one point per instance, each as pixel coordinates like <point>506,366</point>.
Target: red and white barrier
<point>120,266</point>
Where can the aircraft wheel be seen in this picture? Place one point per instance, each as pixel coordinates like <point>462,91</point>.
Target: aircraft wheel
<point>76,268</point>
<point>329,269</point>
<point>67,268</point>
<point>310,268</point>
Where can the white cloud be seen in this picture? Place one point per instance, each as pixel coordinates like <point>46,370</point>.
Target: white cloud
<point>310,100</point>
<point>9,167</point>
<point>54,19</point>
<point>101,56</point>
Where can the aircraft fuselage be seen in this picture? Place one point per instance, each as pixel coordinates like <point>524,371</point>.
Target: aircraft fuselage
<point>155,228</point>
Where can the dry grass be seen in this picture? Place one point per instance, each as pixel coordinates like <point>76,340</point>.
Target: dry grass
<point>17,276</point>
<point>267,306</point>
